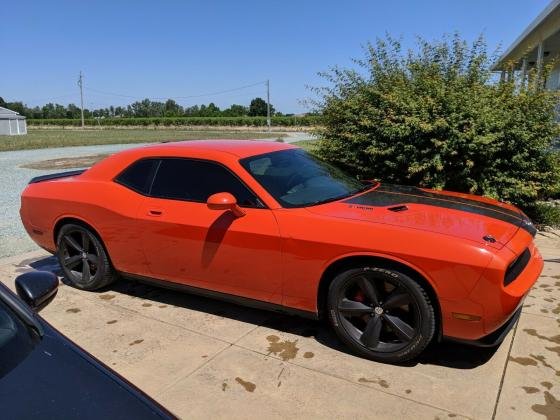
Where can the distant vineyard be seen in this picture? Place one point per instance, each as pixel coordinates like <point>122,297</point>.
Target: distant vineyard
<point>305,121</point>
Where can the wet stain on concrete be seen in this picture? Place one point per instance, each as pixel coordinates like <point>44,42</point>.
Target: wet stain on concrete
<point>549,300</point>
<point>554,349</point>
<point>135,342</point>
<point>224,386</point>
<point>162,306</point>
<point>249,386</point>
<point>106,297</point>
<point>550,409</point>
<point>408,391</point>
<point>286,349</point>
<point>113,321</point>
<point>542,359</point>
<point>544,286</point>
<point>525,361</point>
<point>73,310</point>
<point>308,355</point>
<point>554,339</point>
<point>544,311</point>
<point>452,415</point>
<point>382,382</point>
<point>556,310</point>
<point>146,305</point>
<point>546,384</point>
<point>530,389</point>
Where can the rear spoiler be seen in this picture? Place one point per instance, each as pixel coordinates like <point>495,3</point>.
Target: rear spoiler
<point>56,176</point>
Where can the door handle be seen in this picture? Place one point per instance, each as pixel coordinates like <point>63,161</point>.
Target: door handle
<point>155,212</point>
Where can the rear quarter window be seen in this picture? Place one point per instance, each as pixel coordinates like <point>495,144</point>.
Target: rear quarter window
<point>139,175</point>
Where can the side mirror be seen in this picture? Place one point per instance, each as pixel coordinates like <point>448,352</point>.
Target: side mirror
<point>37,288</point>
<point>224,201</point>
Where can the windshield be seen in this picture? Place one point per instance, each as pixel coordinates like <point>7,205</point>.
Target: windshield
<point>297,179</point>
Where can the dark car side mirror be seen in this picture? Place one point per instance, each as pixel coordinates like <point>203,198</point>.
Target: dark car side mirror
<point>37,288</point>
<point>224,201</point>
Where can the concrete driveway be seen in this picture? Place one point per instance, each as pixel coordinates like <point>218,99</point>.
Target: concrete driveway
<point>207,359</point>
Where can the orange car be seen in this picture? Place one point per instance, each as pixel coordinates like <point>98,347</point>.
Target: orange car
<point>269,225</point>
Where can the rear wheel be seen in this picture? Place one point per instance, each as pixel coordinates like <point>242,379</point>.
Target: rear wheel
<point>83,259</point>
<point>381,314</point>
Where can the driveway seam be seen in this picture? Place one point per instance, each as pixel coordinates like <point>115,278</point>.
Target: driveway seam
<point>504,371</point>
<point>350,381</point>
<point>168,387</point>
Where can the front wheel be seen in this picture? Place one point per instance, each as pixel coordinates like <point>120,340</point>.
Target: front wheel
<point>83,259</point>
<point>381,314</point>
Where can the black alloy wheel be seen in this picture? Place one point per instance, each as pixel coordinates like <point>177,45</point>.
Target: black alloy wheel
<point>83,259</point>
<point>381,314</point>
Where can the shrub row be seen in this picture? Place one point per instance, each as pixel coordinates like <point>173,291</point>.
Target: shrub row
<point>305,121</point>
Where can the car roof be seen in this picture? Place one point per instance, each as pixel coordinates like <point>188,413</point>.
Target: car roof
<point>239,148</point>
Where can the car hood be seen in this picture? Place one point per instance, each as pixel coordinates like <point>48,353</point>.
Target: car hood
<point>460,215</point>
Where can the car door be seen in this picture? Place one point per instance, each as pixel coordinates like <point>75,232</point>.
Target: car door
<point>186,242</point>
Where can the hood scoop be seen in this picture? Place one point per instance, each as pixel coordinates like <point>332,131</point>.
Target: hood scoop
<point>399,208</point>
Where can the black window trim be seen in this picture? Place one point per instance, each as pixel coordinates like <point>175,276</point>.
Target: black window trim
<point>155,171</point>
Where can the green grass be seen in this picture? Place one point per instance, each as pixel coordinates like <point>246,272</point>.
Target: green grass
<point>309,145</point>
<point>46,138</point>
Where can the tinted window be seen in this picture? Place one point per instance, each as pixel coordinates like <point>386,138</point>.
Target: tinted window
<point>196,180</point>
<point>296,178</point>
<point>138,176</point>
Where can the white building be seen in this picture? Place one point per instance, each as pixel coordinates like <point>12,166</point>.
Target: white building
<point>11,123</point>
<point>538,45</point>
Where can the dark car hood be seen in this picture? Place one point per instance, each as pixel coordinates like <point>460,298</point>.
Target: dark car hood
<point>460,215</point>
<point>59,380</point>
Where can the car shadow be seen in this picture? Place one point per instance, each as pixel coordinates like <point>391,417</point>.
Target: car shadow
<point>446,353</point>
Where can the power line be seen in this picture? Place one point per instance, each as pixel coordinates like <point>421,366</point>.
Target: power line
<point>176,97</point>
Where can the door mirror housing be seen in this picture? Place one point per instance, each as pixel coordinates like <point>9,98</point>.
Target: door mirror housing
<point>224,201</point>
<point>37,288</point>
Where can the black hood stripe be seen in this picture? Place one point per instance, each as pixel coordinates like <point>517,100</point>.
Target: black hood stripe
<point>392,195</point>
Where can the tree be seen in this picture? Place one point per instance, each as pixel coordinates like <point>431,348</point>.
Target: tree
<point>235,111</point>
<point>257,108</point>
<point>439,118</point>
<point>172,108</point>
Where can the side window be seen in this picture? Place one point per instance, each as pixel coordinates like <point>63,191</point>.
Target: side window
<point>195,180</point>
<point>139,175</point>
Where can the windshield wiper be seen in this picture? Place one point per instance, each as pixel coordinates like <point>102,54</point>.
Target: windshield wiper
<point>341,197</point>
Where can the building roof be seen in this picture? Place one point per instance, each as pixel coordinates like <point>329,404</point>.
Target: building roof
<point>546,26</point>
<point>6,113</point>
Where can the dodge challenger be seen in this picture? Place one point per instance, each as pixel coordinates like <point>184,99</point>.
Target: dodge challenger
<point>269,225</point>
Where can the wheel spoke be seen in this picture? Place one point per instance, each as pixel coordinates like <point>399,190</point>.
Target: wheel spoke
<point>396,298</point>
<point>92,258</point>
<point>404,331</point>
<point>72,262</point>
<point>70,241</point>
<point>370,337</point>
<point>353,308</point>
<point>369,290</point>
<point>85,242</point>
<point>86,273</point>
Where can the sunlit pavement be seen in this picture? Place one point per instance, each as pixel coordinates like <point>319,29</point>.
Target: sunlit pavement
<point>203,358</point>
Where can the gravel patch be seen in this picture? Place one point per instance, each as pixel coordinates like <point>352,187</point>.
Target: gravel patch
<point>14,177</point>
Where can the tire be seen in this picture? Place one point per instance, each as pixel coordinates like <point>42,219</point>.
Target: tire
<point>83,258</point>
<point>381,314</point>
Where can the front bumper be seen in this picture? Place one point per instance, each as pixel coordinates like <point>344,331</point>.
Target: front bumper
<point>493,339</point>
<point>493,302</point>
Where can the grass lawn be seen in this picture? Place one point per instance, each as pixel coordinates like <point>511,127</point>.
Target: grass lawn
<point>45,138</point>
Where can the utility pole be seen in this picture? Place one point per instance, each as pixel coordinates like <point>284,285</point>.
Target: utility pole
<point>268,104</point>
<point>81,85</point>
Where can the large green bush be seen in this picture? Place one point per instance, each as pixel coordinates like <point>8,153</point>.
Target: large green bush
<point>438,117</point>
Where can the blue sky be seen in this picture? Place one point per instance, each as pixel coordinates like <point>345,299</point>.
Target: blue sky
<point>183,48</point>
